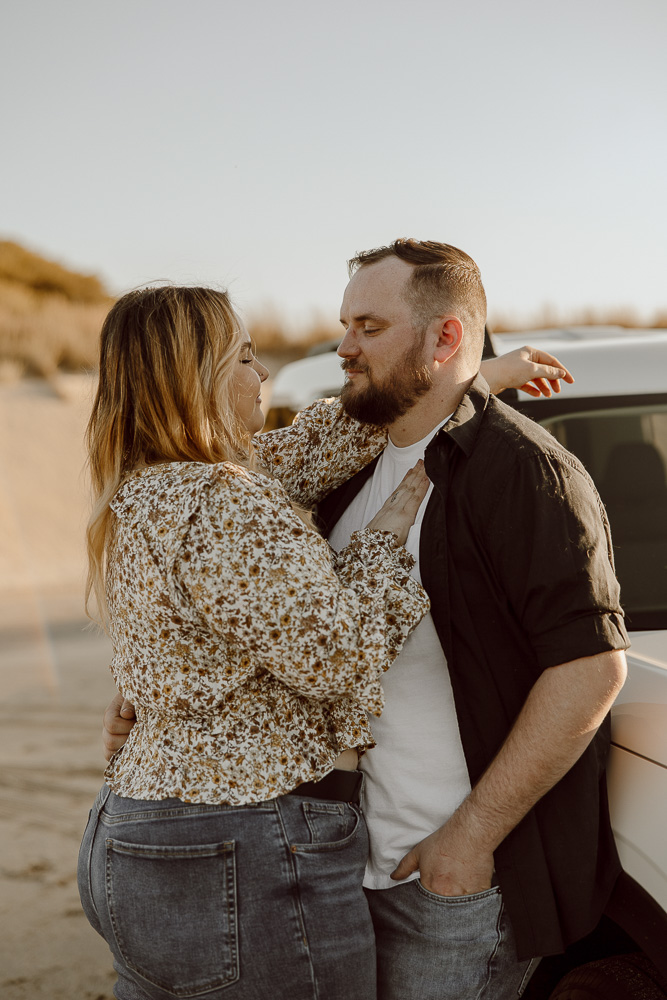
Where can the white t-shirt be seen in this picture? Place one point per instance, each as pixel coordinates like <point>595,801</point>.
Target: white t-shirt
<point>416,776</point>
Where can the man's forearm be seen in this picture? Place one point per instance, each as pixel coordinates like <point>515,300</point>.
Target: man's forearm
<point>559,719</point>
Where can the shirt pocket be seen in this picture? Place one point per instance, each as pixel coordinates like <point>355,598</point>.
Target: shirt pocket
<point>174,913</point>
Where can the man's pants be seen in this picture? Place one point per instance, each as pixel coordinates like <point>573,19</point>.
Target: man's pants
<point>433,947</point>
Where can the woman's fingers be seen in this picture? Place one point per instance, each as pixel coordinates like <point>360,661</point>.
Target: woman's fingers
<point>416,487</point>
<point>398,512</point>
<point>118,722</point>
<point>548,373</point>
<point>546,361</point>
<point>412,488</point>
<point>528,368</point>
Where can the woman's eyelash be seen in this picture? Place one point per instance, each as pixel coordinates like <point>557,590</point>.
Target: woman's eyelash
<point>247,361</point>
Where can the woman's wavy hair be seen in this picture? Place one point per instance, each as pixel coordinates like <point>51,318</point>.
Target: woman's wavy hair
<point>165,394</point>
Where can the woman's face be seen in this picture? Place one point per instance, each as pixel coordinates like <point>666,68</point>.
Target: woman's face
<point>248,379</point>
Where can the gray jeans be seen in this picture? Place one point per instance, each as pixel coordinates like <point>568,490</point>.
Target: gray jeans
<point>224,902</point>
<point>433,947</point>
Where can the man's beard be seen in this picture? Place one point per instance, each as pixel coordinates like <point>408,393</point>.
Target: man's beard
<point>384,402</point>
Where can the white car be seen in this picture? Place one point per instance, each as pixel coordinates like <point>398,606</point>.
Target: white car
<point>614,418</point>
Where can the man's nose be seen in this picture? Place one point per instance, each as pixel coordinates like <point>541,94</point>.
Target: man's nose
<point>348,347</point>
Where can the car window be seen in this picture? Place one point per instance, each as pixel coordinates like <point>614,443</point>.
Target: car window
<point>625,451</point>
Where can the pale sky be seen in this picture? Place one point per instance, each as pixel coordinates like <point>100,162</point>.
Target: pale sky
<point>259,144</point>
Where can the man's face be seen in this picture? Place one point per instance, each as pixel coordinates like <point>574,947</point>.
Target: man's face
<point>384,356</point>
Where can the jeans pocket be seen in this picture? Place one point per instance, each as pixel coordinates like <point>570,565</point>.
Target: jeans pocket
<point>332,825</point>
<point>174,913</point>
<point>474,897</point>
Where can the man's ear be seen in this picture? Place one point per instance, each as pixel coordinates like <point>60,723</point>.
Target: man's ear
<point>450,337</point>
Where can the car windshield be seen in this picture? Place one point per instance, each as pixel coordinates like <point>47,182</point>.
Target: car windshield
<point>625,451</point>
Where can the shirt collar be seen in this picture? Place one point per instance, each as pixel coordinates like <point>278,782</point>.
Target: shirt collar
<point>463,426</point>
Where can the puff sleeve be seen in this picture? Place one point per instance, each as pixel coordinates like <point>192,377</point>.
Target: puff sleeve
<point>322,449</point>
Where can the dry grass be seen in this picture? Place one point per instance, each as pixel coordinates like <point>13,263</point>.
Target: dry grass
<point>30,270</point>
<point>50,318</point>
<point>272,335</point>
<point>46,332</point>
<point>549,317</point>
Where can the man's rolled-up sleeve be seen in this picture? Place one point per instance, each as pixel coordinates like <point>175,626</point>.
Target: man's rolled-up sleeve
<point>553,555</point>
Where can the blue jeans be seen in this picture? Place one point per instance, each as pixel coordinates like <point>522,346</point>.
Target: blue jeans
<point>230,902</point>
<point>433,947</point>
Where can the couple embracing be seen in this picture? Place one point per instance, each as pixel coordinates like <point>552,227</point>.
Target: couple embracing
<point>454,542</point>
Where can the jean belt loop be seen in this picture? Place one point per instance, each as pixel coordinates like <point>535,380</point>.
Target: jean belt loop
<point>101,799</point>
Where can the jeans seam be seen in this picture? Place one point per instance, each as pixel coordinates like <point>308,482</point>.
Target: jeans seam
<point>530,968</point>
<point>233,915</point>
<point>493,953</point>
<point>297,894</point>
<point>89,858</point>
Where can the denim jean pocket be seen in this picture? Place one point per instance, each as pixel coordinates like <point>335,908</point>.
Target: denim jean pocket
<point>332,825</point>
<point>492,894</point>
<point>161,899</point>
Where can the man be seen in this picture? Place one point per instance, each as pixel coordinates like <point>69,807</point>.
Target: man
<point>488,778</point>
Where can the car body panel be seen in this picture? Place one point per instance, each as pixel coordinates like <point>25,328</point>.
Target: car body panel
<point>638,795</point>
<point>300,383</point>
<point>639,716</point>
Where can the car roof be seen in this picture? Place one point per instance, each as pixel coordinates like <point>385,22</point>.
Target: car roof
<point>605,361</point>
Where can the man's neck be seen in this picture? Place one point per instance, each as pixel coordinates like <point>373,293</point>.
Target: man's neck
<point>426,414</point>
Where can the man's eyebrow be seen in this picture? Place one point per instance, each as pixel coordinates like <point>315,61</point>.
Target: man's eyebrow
<point>361,319</point>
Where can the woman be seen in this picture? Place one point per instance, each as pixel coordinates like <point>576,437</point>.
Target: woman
<point>251,658</point>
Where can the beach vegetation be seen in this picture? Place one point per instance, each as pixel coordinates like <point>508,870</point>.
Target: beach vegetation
<point>51,316</point>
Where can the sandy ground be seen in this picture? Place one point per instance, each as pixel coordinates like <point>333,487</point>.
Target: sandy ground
<point>54,686</point>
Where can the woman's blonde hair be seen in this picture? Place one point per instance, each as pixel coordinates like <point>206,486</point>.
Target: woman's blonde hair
<point>165,394</point>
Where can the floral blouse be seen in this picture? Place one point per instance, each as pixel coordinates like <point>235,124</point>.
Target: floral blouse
<point>250,650</point>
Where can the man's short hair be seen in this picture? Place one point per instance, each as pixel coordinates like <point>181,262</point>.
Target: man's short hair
<point>444,280</point>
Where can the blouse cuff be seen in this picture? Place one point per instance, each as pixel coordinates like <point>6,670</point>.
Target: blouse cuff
<point>382,556</point>
<point>383,550</point>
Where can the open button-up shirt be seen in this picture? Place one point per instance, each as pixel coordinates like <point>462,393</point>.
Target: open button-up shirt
<point>516,558</point>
